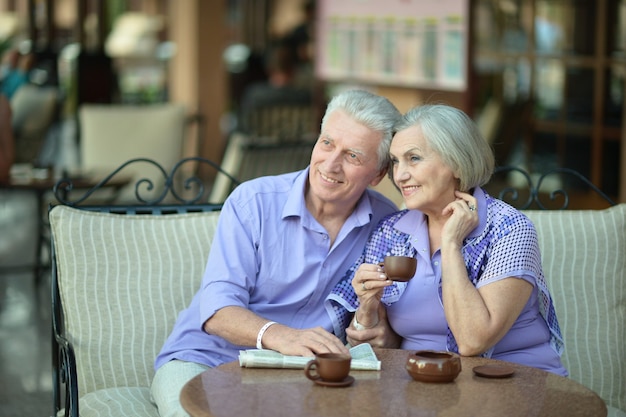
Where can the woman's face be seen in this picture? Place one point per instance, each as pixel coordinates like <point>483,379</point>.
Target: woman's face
<point>425,182</point>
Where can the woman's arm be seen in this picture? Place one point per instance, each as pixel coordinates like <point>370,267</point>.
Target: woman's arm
<point>381,335</point>
<point>478,318</point>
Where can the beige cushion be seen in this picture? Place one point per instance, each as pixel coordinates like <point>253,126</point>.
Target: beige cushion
<point>115,402</point>
<point>584,261</point>
<point>113,134</point>
<point>123,280</point>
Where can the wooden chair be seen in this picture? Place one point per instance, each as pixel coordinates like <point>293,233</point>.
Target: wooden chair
<point>34,111</point>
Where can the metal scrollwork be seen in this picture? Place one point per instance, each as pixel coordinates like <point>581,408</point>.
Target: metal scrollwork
<point>538,188</point>
<point>182,186</point>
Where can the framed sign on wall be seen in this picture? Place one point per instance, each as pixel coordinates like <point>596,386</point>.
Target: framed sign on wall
<point>412,43</point>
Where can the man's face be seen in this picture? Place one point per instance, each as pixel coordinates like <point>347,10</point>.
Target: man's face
<point>344,161</point>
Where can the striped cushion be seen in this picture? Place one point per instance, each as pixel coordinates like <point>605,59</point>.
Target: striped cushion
<point>115,402</point>
<point>123,279</point>
<point>584,261</point>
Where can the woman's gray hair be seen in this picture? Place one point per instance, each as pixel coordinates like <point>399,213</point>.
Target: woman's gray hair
<point>371,110</point>
<point>455,137</point>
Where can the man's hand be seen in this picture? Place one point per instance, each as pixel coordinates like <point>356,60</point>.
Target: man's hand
<point>381,335</point>
<point>241,327</point>
<point>302,342</point>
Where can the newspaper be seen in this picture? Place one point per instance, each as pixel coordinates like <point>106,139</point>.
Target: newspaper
<point>363,359</point>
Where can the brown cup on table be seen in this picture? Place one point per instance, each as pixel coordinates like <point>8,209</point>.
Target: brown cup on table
<point>399,268</point>
<point>433,366</point>
<point>328,367</point>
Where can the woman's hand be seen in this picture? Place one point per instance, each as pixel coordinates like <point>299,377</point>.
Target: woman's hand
<point>368,283</point>
<point>463,218</point>
<point>381,335</point>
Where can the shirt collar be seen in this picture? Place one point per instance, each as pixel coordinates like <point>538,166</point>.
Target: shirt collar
<point>408,222</point>
<point>296,206</point>
<point>481,208</point>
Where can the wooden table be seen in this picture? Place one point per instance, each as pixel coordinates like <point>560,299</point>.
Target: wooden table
<point>230,390</point>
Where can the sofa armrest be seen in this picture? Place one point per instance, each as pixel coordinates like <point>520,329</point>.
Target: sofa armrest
<point>584,261</point>
<point>122,279</point>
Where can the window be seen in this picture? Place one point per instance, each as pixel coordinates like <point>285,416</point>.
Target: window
<point>557,69</point>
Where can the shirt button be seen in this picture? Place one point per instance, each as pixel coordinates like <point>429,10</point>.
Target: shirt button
<point>436,262</point>
<point>325,237</point>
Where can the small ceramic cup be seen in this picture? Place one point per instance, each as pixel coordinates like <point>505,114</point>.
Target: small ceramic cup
<point>399,268</point>
<point>433,366</point>
<point>329,367</point>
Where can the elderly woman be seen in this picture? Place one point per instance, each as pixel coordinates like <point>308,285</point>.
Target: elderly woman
<point>479,288</point>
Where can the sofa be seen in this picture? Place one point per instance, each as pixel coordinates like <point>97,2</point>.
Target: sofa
<point>584,261</point>
<point>121,275</point>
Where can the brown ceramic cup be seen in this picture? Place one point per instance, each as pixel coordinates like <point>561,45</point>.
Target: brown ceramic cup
<point>399,268</point>
<point>329,367</point>
<point>433,366</point>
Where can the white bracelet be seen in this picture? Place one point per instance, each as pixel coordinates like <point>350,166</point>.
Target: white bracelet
<point>359,326</point>
<point>259,336</point>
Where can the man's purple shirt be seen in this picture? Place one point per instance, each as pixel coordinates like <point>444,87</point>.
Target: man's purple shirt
<point>271,256</point>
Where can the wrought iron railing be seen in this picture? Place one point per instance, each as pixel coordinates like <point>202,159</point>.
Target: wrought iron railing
<point>551,190</point>
<point>180,185</point>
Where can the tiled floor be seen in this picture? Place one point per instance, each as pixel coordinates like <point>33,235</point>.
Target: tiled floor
<point>25,329</point>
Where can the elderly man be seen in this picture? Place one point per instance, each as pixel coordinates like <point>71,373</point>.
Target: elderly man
<point>281,245</point>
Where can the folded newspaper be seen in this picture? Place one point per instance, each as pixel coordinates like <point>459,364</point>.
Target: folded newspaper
<point>363,358</point>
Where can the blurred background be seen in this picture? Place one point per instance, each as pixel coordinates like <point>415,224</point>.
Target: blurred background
<point>544,79</point>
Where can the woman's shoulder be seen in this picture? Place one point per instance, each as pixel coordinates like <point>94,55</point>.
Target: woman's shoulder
<point>390,229</point>
<point>502,215</point>
<point>392,218</point>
